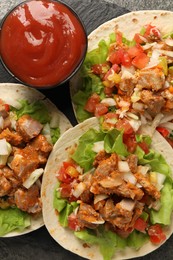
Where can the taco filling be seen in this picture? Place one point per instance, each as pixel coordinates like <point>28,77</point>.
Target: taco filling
<point>127,75</point>
<point>113,193</point>
<point>26,140</point>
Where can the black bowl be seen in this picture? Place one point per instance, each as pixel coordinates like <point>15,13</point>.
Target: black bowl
<point>15,72</point>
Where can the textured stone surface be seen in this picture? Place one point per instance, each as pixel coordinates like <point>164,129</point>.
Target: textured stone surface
<point>134,5</point>
<point>39,245</point>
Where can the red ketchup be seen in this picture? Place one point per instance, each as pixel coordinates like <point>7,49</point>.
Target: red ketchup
<point>42,42</point>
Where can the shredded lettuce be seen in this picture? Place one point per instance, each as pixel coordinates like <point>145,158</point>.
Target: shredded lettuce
<point>13,219</point>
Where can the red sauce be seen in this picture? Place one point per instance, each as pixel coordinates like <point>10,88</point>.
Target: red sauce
<point>42,42</point>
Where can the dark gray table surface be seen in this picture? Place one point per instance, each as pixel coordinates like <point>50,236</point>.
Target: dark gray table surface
<point>39,245</point>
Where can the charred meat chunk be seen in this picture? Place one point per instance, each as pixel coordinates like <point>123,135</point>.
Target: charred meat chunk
<point>88,217</point>
<point>28,127</point>
<point>28,200</point>
<point>152,79</point>
<point>154,102</point>
<point>11,137</point>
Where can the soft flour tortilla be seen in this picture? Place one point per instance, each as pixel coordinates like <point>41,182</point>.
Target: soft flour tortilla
<point>62,235</point>
<point>12,93</point>
<point>128,24</point>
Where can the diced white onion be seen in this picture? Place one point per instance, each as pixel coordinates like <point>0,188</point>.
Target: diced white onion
<point>148,45</point>
<point>167,125</point>
<point>143,169</point>
<point>123,166</point>
<point>98,146</point>
<point>5,147</point>
<point>169,42</point>
<point>127,204</point>
<point>33,178</point>
<point>129,177</point>
<point>100,197</point>
<point>135,124</point>
<point>132,115</point>
<point>160,180</point>
<point>46,132</point>
<point>138,106</point>
<point>79,189</point>
<point>167,53</point>
<point>166,118</point>
<point>54,123</point>
<point>109,102</point>
<point>154,60</point>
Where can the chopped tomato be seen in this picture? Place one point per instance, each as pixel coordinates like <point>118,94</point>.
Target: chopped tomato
<point>130,141</point>
<point>71,170</point>
<point>152,31</point>
<point>144,147</point>
<point>135,50</point>
<point>120,57</point>
<point>123,124</point>
<point>163,131</point>
<point>7,107</point>
<point>91,103</point>
<point>156,234</point>
<point>108,91</point>
<point>138,39</point>
<point>100,109</point>
<point>115,57</point>
<point>65,190</point>
<point>140,61</point>
<point>126,60</point>
<point>63,176</point>
<point>140,225</point>
<point>99,69</point>
<point>119,38</point>
<point>73,222</point>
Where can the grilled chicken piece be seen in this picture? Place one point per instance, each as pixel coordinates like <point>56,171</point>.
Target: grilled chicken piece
<point>24,162</point>
<point>28,127</point>
<point>147,186</point>
<point>42,147</point>
<point>152,79</point>
<point>10,176</point>
<point>114,184</point>
<point>88,217</point>
<point>106,166</point>
<point>11,137</point>
<point>127,85</point>
<point>154,102</point>
<point>132,160</point>
<point>5,186</point>
<point>28,200</point>
<point>86,195</point>
<point>123,214</point>
<point>102,155</point>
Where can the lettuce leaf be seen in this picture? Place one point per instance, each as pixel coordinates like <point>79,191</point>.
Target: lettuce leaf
<point>36,110</point>
<point>163,216</point>
<point>154,159</point>
<point>84,155</point>
<point>109,242</point>
<point>13,219</point>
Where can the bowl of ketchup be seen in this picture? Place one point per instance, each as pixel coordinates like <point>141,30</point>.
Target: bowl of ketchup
<point>42,43</point>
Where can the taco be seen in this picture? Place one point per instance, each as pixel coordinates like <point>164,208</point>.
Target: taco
<point>29,126</point>
<point>128,67</point>
<point>107,192</point>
